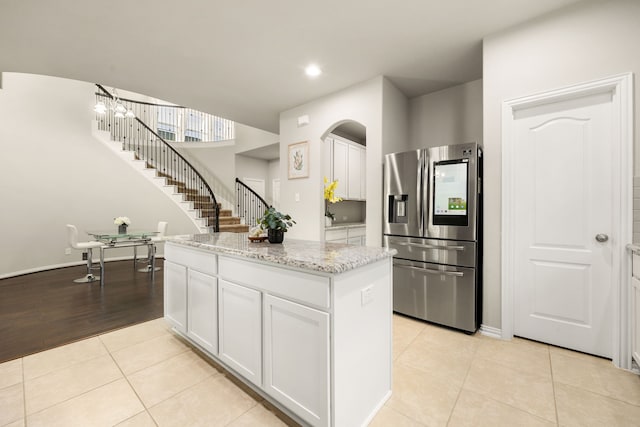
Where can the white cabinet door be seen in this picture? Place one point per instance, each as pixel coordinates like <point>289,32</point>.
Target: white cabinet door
<point>354,178</point>
<point>340,167</point>
<point>240,331</point>
<point>357,240</point>
<point>357,236</point>
<point>175,295</point>
<point>202,298</point>
<point>297,358</point>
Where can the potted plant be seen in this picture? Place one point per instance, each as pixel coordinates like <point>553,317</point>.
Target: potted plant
<point>276,223</point>
<point>330,197</point>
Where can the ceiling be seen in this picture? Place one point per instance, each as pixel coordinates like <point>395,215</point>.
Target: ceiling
<point>244,60</point>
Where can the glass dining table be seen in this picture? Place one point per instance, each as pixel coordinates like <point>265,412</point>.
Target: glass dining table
<point>132,238</point>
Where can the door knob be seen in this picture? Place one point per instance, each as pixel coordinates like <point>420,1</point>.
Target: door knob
<point>602,238</point>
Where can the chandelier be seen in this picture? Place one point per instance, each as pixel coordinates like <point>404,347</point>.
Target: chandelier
<point>115,105</point>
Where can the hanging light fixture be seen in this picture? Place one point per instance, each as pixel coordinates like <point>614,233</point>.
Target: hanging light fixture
<point>115,105</point>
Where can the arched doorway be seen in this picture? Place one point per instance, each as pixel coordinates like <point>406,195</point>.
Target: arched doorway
<point>344,162</point>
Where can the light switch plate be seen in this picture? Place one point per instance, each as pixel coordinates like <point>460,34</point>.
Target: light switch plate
<point>366,295</point>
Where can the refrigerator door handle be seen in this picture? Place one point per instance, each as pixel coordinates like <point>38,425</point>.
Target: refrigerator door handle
<point>419,245</point>
<point>420,194</point>
<point>431,271</point>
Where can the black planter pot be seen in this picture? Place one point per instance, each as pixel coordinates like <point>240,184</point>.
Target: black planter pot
<point>275,236</point>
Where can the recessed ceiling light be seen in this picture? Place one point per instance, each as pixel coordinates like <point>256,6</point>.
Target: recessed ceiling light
<point>312,70</point>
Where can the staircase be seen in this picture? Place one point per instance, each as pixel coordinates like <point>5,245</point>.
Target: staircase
<point>156,159</point>
<point>249,204</point>
<point>206,209</point>
<point>231,223</point>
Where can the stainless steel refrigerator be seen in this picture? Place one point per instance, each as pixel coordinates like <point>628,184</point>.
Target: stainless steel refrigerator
<point>433,218</point>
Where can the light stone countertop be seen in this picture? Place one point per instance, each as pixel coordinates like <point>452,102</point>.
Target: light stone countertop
<point>325,257</point>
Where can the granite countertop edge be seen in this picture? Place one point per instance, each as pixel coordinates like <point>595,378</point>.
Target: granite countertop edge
<point>322,257</point>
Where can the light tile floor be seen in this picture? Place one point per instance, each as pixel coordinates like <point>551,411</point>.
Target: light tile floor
<point>145,376</point>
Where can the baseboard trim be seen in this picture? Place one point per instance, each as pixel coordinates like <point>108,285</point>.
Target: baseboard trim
<point>490,331</point>
<point>67,264</point>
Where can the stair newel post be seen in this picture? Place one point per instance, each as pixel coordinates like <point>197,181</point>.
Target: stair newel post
<point>217,221</point>
<point>237,197</point>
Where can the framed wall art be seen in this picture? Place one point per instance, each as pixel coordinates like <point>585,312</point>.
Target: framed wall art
<point>299,160</point>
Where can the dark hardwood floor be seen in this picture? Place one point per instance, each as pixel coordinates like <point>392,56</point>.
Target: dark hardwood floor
<point>40,311</point>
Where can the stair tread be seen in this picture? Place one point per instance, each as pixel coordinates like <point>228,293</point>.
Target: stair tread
<point>237,228</point>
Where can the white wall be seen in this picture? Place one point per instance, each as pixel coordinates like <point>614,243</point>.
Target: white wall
<point>274,173</point>
<point>361,103</point>
<point>248,138</point>
<point>581,43</point>
<point>450,116</point>
<point>217,166</point>
<point>395,123</point>
<point>53,172</point>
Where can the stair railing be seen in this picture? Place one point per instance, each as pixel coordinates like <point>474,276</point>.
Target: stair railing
<point>249,204</point>
<point>135,135</point>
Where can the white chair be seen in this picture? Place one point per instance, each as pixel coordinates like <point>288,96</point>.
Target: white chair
<point>162,231</point>
<point>72,233</point>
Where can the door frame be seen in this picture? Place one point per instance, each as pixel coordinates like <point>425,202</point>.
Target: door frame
<point>621,89</point>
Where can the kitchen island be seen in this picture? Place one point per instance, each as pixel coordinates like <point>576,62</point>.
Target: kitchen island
<point>306,324</point>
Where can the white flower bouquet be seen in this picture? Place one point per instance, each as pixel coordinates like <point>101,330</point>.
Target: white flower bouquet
<point>122,220</point>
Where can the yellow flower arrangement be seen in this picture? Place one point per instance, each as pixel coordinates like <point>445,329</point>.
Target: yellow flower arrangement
<point>330,196</point>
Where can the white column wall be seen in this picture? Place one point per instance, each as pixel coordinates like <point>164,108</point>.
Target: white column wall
<point>447,117</point>
<point>361,103</point>
<point>395,124</point>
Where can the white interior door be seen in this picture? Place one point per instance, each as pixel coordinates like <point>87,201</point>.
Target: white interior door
<point>256,185</point>
<point>564,235</point>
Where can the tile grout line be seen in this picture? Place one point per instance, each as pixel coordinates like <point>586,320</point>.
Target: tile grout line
<point>73,364</point>
<point>132,388</point>
<point>122,329</point>
<point>245,412</point>
<point>156,363</point>
<point>404,415</point>
<point>553,388</point>
<point>466,375</point>
<point>598,395</point>
<point>126,377</point>
<point>506,403</point>
<point>70,398</point>
<point>68,366</point>
<point>592,392</point>
<point>408,345</point>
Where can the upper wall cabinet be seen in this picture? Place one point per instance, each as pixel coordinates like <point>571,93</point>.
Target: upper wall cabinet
<point>345,162</point>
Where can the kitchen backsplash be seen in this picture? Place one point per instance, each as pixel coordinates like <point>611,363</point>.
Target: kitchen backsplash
<point>349,211</point>
<point>636,209</point>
